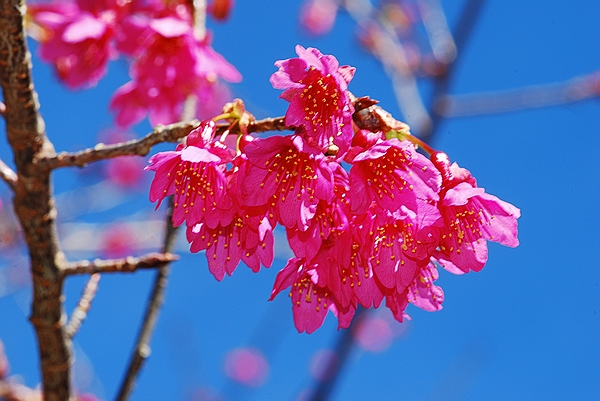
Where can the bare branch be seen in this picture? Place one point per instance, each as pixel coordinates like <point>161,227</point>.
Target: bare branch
<point>573,90</point>
<point>8,175</point>
<point>142,347</point>
<point>127,265</point>
<point>83,306</point>
<point>269,124</point>
<point>141,147</point>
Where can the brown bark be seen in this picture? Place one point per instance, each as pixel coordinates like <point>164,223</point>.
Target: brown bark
<point>33,202</point>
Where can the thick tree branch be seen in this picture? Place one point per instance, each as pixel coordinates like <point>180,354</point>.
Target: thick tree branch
<point>9,176</point>
<point>128,264</point>
<point>83,306</point>
<point>33,202</point>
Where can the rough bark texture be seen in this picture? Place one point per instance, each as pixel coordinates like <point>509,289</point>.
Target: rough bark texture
<point>33,202</point>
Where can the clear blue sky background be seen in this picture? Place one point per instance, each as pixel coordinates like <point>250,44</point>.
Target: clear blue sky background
<point>526,327</point>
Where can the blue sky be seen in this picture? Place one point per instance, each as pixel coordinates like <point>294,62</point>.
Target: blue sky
<point>526,327</point>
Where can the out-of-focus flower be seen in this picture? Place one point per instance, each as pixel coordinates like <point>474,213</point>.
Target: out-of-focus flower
<point>247,366</point>
<point>373,333</point>
<point>4,365</point>
<point>324,364</point>
<point>118,240</point>
<point>170,65</point>
<point>220,9</point>
<point>77,38</point>
<point>318,16</point>
<point>316,87</point>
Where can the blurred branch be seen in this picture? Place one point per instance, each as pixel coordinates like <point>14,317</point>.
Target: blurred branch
<point>83,306</point>
<point>379,38</point>
<point>464,28</point>
<point>128,264</point>
<point>440,39</point>
<point>8,175</point>
<point>342,350</point>
<point>573,90</point>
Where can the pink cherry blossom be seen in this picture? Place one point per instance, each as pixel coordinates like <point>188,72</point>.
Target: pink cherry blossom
<point>316,87</point>
<point>288,175</point>
<point>421,292</point>
<point>471,217</point>
<point>227,245</point>
<point>392,174</point>
<point>330,219</point>
<point>194,174</point>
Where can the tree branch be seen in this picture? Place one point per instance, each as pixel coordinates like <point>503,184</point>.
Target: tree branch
<point>83,306</point>
<point>141,147</point>
<point>142,347</point>
<point>9,176</point>
<point>33,202</point>
<point>573,90</point>
<point>127,265</point>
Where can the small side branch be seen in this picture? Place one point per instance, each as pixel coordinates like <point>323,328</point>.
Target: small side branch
<point>8,175</point>
<point>141,147</point>
<point>128,264</point>
<point>83,306</point>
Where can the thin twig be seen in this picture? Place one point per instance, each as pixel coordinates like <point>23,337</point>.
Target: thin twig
<point>128,264</point>
<point>141,147</point>
<point>8,175</point>
<point>160,134</point>
<point>573,90</point>
<point>142,347</point>
<point>83,306</point>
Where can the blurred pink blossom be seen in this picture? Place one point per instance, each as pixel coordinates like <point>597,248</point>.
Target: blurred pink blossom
<point>247,366</point>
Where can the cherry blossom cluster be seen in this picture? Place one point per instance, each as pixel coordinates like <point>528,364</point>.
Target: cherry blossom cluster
<point>367,215</point>
<point>171,62</point>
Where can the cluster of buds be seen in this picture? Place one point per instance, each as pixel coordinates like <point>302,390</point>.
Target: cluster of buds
<point>171,60</point>
<point>367,216</point>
